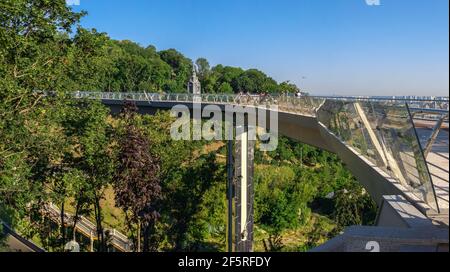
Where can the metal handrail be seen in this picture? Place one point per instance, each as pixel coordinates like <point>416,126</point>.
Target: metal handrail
<point>431,104</point>
<point>118,239</point>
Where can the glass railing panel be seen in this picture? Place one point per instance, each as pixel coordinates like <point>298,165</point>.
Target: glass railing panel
<point>371,117</point>
<point>384,133</point>
<point>404,153</point>
<point>301,105</point>
<point>343,119</point>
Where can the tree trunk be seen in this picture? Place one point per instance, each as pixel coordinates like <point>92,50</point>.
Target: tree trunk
<point>150,240</point>
<point>181,236</point>
<point>75,219</point>
<point>266,248</point>
<point>63,227</point>
<point>138,249</point>
<point>146,238</point>
<point>98,219</point>
<point>96,222</point>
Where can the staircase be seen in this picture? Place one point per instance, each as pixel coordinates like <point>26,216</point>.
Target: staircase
<point>118,240</point>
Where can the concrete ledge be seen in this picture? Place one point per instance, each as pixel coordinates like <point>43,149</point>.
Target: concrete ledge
<point>401,227</point>
<point>396,211</point>
<point>363,239</point>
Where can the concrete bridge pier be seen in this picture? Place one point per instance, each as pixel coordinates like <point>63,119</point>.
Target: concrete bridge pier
<point>241,191</point>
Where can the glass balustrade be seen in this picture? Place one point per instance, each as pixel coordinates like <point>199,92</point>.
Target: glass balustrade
<point>384,133</point>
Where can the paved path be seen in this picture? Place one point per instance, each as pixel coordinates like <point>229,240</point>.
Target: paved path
<point>438,163</point>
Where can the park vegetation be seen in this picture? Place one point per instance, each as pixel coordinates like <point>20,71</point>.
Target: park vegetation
<point>125,171</point>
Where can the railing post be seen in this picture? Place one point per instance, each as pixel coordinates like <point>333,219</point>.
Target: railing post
<point>433,137</point>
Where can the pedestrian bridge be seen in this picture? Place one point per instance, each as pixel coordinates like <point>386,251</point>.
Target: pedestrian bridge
<point>397,148</point>
<point>377,137</point>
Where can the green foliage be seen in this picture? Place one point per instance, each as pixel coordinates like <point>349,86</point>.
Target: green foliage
<point>34,45</point>
<point>203,67</point>
<point>288,87</point>
<point>255,81</point>
<point>225,88</point>
<point>87,67</point>
<point>353,206</point>
<point>277,201</point>
<point>293,181</point>
<point>181,67</point>
<point>185,200</point>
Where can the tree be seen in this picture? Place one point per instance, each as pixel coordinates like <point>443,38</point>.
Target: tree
<point>287,87</point>
<point>56,149</point>
<point>61,185</point>
<point>34,41</point>
<point>181,67</point>
<point>353,206</point>
<point>280,202</point>
<point>203,68</point>
<point>255,81</point>
<point>82,196</point>
<point>90,64</point>
<point>34,46</point>
<point>89,136</point>
<point>186,193</point>
<point>227,75</point>
<point>137,186</point>
<point>138,69</point>
<point>225,88</point>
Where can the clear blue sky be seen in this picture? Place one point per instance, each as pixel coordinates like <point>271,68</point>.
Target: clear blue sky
<point>341,47</point>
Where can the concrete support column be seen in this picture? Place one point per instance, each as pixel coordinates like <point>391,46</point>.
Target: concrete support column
<point>244,158</point>
<point>230,194</point>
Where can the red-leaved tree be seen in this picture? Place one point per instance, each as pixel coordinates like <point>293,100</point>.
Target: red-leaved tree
<point>137,183</point>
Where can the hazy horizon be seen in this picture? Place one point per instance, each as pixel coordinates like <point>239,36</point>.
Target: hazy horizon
<point>326,47</point>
